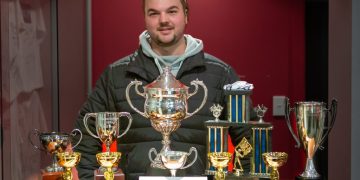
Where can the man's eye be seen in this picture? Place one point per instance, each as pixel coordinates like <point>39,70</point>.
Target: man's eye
<point>173,12</point>
<point>153,14</point>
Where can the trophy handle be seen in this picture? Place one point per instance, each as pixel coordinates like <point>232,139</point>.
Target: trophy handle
<point>288,109</point>
<point>196,83</point>
<point>136,83</point>
<point>74,134</point>
<point>153,150</point>
<point>86,117</point>
<point>37,133</point>
<point>121,114</point>
<point>333,112</point>
<point>192,149</point>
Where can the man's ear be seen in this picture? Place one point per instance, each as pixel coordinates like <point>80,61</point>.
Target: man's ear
<point>186,16</point>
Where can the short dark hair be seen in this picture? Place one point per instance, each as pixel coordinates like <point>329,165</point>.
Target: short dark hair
<point>184,4</point>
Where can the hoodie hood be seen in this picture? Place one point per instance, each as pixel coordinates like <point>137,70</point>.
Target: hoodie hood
<point>193,46</point>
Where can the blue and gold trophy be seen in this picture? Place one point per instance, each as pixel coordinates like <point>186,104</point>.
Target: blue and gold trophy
<point>257,139</point>
<point>218,131</point>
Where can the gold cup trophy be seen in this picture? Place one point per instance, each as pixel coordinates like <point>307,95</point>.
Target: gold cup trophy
<point>312,129</point>
<point>219,160</point>
<point>275,160</point>
<point>107,125</point>
<point>68,160</point>
<point>166,106</point>
<point>108,160</point>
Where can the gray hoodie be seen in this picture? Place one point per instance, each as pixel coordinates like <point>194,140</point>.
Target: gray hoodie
<point>193,46</point>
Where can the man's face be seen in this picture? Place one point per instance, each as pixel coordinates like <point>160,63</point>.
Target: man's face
<point>165,21</point>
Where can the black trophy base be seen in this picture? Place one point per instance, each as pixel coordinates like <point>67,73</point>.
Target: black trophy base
<point>304,178</point>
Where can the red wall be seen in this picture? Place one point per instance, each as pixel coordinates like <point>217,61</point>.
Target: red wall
<point>262,40</point>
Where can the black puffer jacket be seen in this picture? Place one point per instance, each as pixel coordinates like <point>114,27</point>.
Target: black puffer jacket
<point>109,95</point>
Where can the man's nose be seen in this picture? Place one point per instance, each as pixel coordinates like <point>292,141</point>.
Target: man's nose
<point>163,18</point>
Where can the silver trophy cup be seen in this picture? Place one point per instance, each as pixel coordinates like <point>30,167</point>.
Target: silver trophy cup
<point>165,105</point>
<point>107,125</point>
<point>174,160</point>
<point>312,128</point>
<point>53,143</point>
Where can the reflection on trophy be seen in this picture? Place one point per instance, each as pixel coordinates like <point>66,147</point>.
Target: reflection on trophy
<point>174,160</point>
<point>241,150</point>
<point>68,160</point>
<point>107,160</point>
<point>107,126</point>
<point>53,143</point>
<point>260,112</point>
<point>165,105</point>
<point>219,160</point>
<point>275,160</point>
<point>312,129</point>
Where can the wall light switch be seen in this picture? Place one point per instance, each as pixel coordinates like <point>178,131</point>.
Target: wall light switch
<point>279,105</point>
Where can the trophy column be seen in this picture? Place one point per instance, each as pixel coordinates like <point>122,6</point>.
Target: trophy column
<point>254,140</point>
<point>216,140</point>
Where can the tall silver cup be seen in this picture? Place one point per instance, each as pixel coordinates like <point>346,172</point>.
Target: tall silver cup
<point>107,126</point>
<point>165,105</point>
<point>312,127</point>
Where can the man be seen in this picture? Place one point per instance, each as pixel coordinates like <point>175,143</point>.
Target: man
<point>162,44</point>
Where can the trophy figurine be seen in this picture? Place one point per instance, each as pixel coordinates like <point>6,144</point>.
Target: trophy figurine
<point>53,143</point>
<point>260,112</point>
<point>241,150</point>
<point>312,129</point>
<point>107,126</point>
<point>174,160</point>
<point>275,160</point>
<point>216,110</point>
<point>219,160</point>
<point>108,160</point>
<point>68,160</point>
<point>165,105</point>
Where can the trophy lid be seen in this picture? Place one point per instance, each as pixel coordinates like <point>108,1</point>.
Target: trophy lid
<point>166,80</point>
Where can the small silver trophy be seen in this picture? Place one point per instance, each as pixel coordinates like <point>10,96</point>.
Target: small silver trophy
<point>216,110</point>
<point>260,112</point>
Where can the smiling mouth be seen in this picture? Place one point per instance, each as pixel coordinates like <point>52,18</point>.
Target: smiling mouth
<point>165,29</point>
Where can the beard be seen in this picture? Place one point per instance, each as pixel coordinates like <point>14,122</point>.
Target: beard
<point>167,43</point>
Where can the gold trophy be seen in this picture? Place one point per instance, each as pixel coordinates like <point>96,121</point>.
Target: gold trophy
<point>275,160</point>
<point>312,129</point>
<point>107,126</point>
<point>217,136</point>
<point>53,143</point>
<point>68,160</point>
<point>219,160</point>
<point>108,160</point>
<point>241,150</point>
<point>165,105</point>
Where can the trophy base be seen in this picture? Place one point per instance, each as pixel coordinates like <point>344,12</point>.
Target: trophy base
<point>231,176</point>
<point>50,175</point>
<point>118,175</point>
<point>306,178</point>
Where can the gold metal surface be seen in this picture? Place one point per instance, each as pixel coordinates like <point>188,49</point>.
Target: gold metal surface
<point>68,160</point>
<point>219,160</point>
<point>275,160</point>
